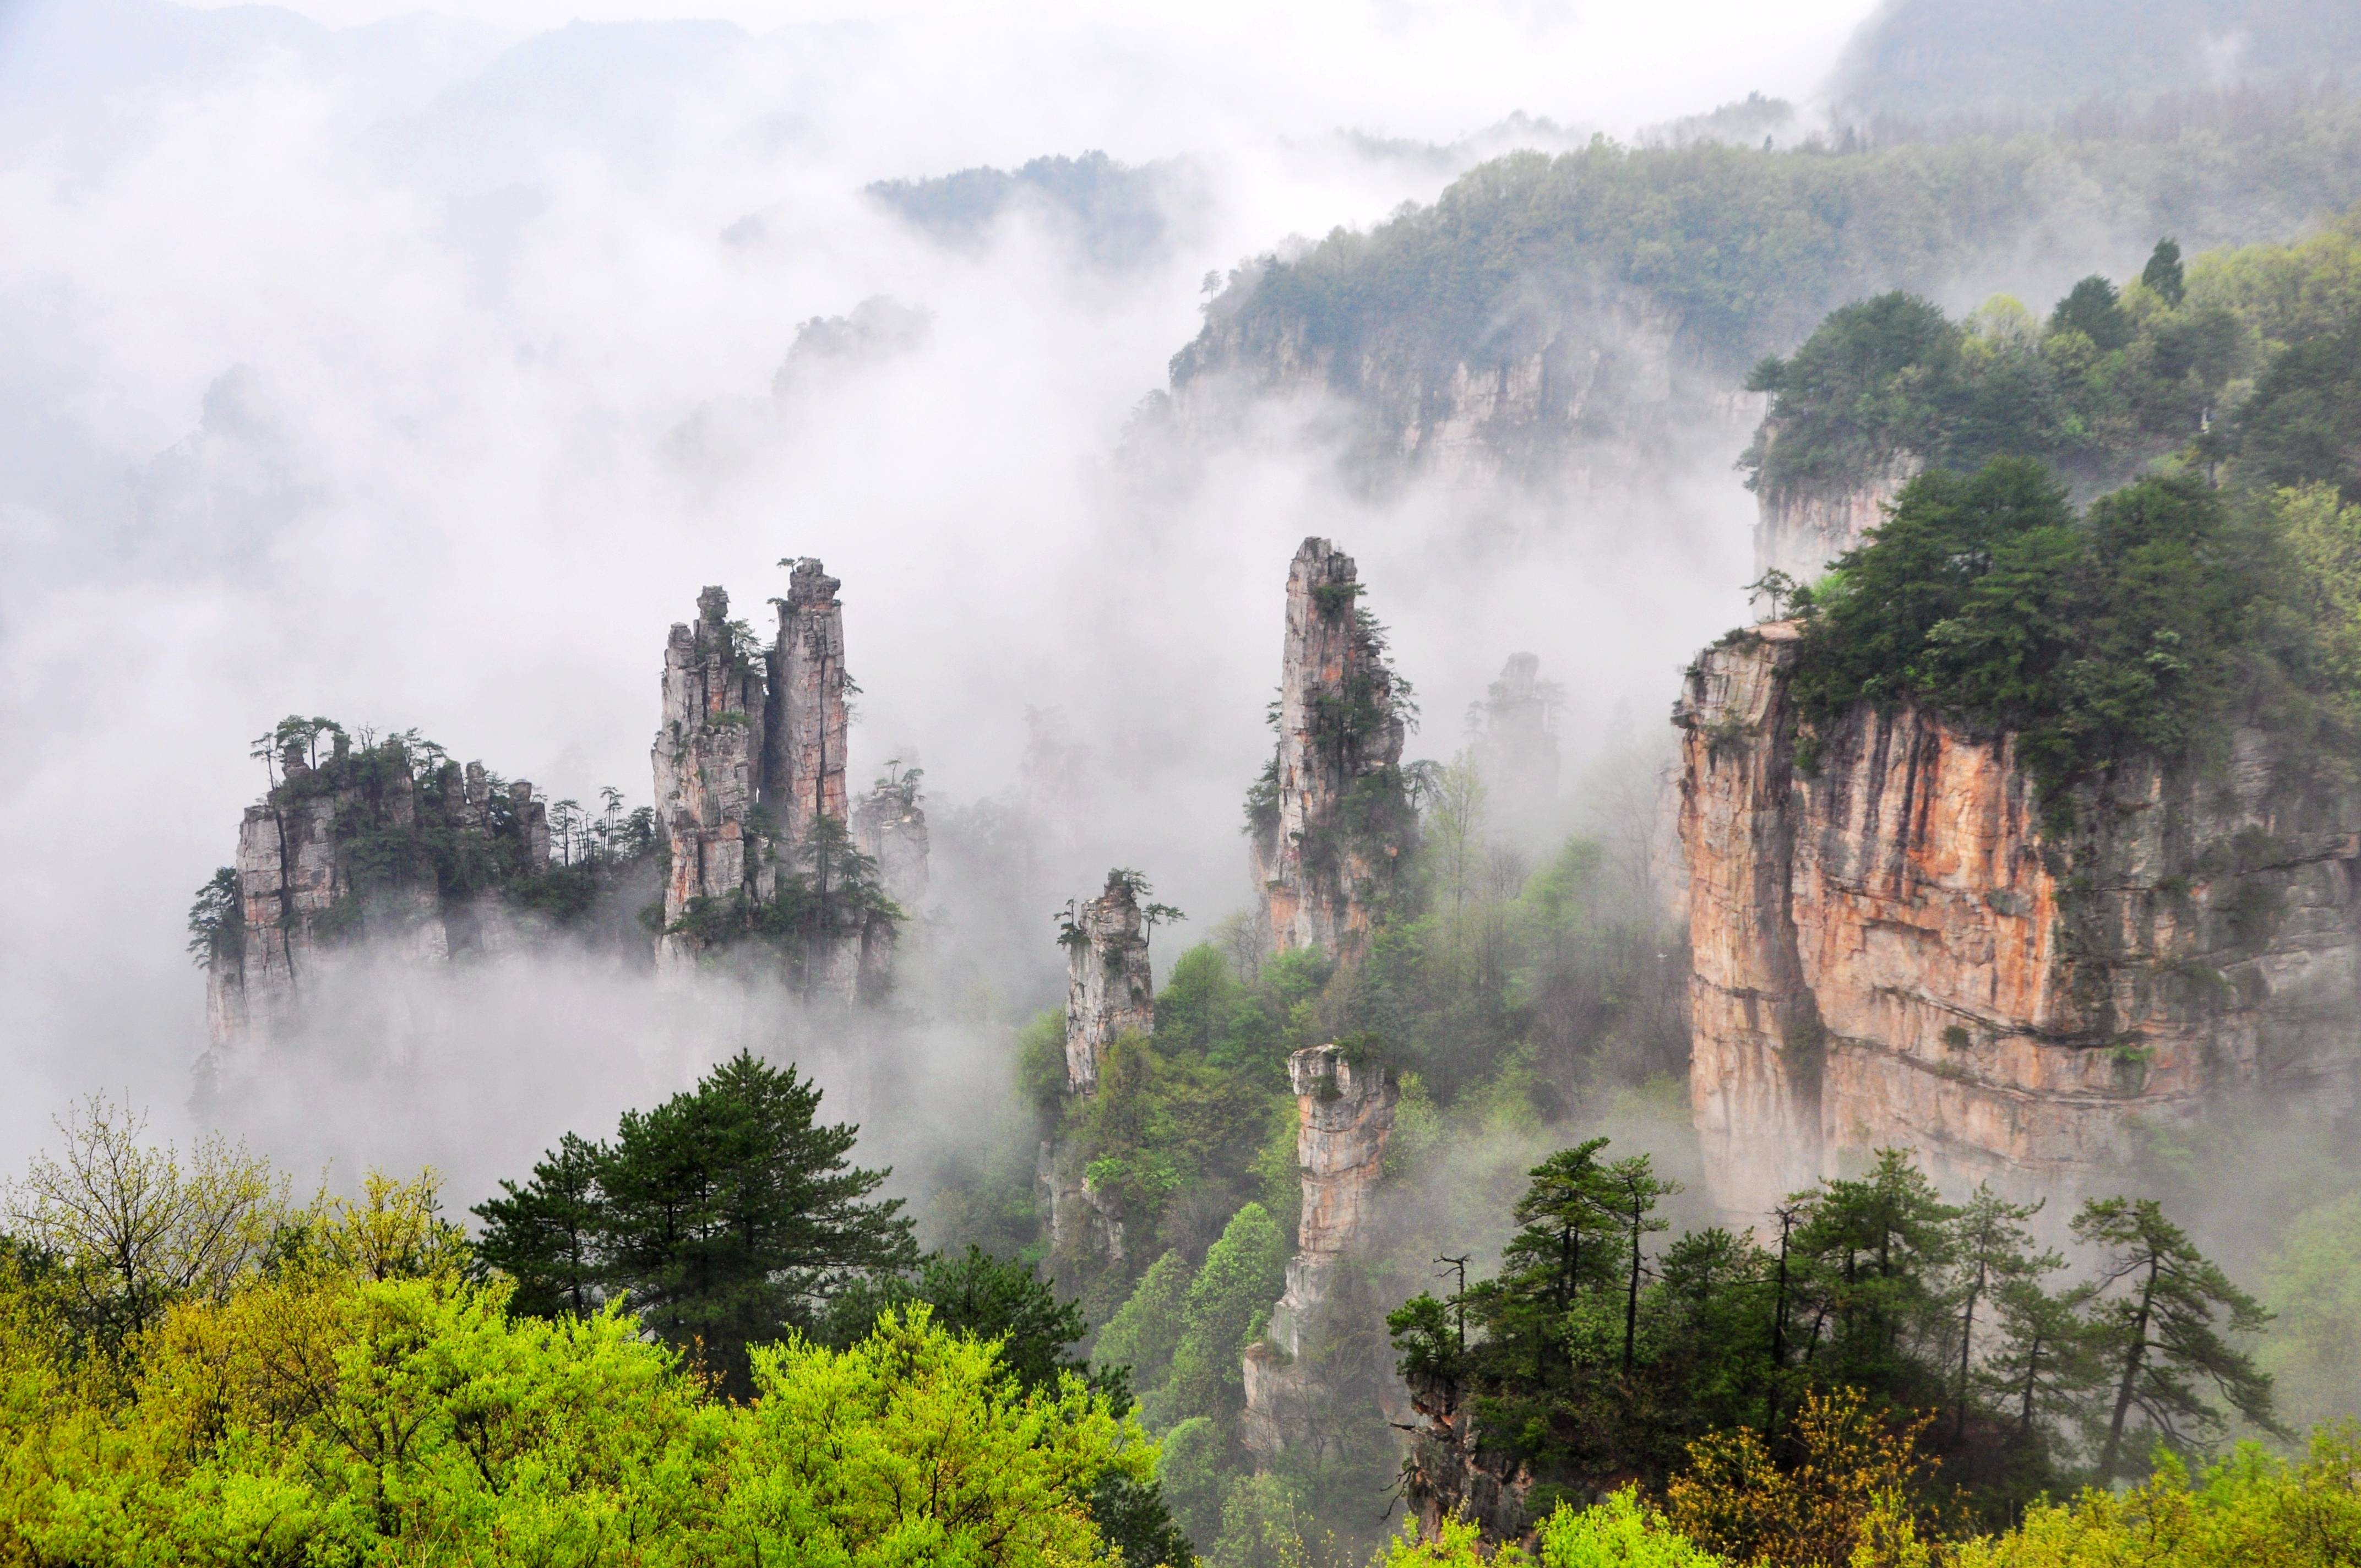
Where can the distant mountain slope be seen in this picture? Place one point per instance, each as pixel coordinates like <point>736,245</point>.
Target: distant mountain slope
<point>1600,300</point>
<point>1928,59</point>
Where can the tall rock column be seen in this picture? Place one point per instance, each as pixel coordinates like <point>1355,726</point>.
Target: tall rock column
<point>1345,1113</point>
<point>1331,819</point>
<point>1110,993</point>
<point>1109,988</point>
<point>803,768</point>
<point>708,758</point>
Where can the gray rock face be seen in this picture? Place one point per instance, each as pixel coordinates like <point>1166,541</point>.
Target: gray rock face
<point>1331,818</point>
<point>1345,1113</point>
<point>749,762</point>
<point>1110,990</point>
<point>340,850</point>
<point>808,725</point>
<point>708,761</point>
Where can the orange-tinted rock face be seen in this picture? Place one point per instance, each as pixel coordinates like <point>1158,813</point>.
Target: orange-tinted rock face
<point>1889,952</point>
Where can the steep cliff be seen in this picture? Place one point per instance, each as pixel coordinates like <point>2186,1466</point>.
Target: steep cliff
<point>1345,1113</point>
<point>386,841</point>
<point>1330,820</point>
<point>1516,743</point>
<point>1892,946</point>
<point>1799,529</point>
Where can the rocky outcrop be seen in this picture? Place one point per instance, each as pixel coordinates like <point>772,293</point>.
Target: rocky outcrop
<point>807,725</point>
<point>1893,948</point>
<point>1452,1473</point>
<point>749,763</point>
<point>1330,821</point>
<point>1799,530</point>
<point>1110,990</point>
<point>709,758</point>
<point>1345,1113</point>
<point>890,826</point>
<point>386,842</point>
<point>1516,742</point>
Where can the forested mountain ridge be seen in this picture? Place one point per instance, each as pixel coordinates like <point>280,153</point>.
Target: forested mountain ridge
<point>2237,361</point>
<point>1547,306</point>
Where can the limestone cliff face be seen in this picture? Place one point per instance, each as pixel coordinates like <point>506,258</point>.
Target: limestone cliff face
<point>1345,1113</point>
<point>1889,949</point>
<point>1110,988</point>
<point>808,725</point>
<point>1331,821</point>
<point>346,847</point>
<point>1800,531</point>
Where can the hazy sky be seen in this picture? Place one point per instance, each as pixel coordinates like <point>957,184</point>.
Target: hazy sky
<point>420,376</point>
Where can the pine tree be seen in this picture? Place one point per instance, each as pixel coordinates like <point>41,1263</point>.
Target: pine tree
<point>544,1234</point>
<point>2157,1322</point>
<point>1994,1250</point>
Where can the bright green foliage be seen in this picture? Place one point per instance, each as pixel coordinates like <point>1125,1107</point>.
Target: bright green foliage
<point>317,1415</point>
<point>2250,1511</point>
<point>913,1446</point>
<point>1242,1274</point>
<point>1624,1531</point>
<point>726,1213</point>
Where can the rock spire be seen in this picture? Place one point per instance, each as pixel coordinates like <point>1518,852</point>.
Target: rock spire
<point>806,722</point>
<point>1330,817</point>
<point>1110,991</point>
<point>1345,1113</point>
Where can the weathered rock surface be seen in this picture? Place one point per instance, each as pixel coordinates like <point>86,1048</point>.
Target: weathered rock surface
<point>709,759</point>
<point>1110,988</point>
<point>749,762</point>
<point>1892,950</point>
<point>1800,531</point>
<point>344,850</point>
<point>1345,1113</point>
<point>1332,822</point>
<point>807,727</point>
